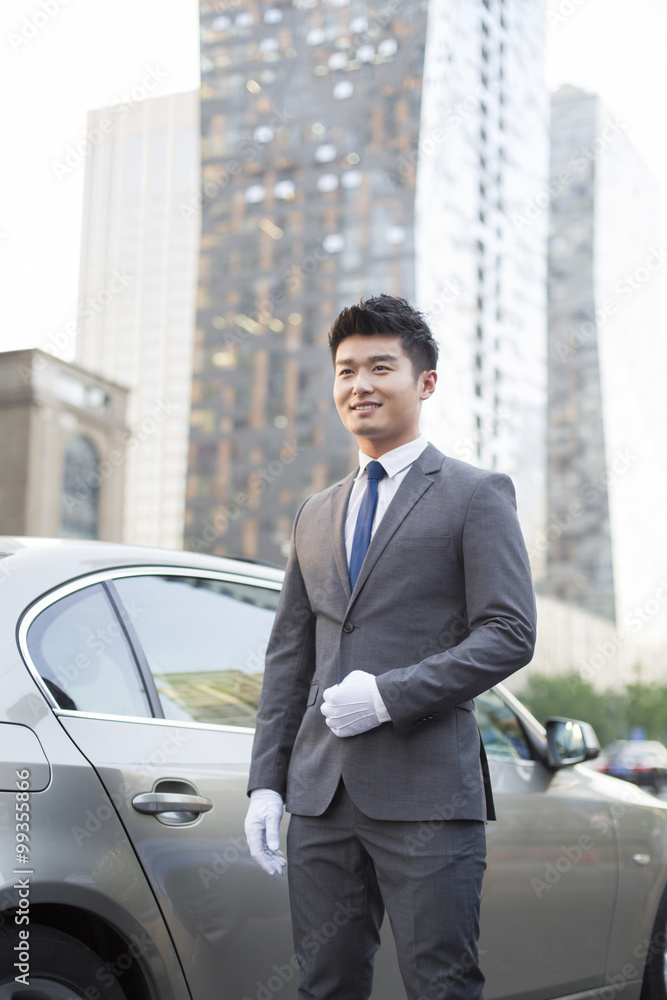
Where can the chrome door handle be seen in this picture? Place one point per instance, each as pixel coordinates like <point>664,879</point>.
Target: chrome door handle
<point>159,802</point>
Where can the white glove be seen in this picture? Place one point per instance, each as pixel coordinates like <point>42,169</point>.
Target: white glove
<point>262,830</point>
<point>354,706</point>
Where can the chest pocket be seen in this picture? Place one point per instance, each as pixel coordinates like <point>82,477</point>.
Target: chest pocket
<point>438,543</point>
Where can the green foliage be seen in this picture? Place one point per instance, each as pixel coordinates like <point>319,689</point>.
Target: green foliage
<point>611,713</point>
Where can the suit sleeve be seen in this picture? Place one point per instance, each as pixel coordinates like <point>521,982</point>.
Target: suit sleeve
<point>288,671</point>
<point>500,609</point>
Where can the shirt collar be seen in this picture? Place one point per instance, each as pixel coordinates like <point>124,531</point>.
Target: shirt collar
<point>398,459</point>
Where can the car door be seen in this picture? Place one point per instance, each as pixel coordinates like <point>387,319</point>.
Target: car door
<point>155,675</point>
<point>552,877</point>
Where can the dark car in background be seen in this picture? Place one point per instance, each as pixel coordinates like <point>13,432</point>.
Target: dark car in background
<point>644,762</point>
<point>129,680</point>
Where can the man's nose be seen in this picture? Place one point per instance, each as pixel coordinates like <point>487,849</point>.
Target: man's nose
<point>362,384</point>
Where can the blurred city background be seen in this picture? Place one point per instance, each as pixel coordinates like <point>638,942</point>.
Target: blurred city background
<point>191,194</point>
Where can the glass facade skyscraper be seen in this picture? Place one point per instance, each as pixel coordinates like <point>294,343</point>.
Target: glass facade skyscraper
<point>605,537</point>
<point>332,170</point>
<point>137,293</point>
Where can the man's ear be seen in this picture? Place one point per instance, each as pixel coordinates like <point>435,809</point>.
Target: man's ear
<point>428,381</point>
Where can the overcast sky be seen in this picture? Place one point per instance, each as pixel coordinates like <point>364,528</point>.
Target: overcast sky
<point>89,53</point>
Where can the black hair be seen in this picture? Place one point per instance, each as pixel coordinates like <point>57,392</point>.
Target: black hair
<point>390,316</point>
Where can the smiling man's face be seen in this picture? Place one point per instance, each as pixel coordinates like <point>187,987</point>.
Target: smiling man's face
<point>376,393</point>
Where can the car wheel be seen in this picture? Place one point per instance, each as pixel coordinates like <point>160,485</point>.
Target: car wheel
<point>654,986</point>
<point>59,967</point>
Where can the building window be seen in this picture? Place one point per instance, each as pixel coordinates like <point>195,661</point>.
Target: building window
<point>80,499</point>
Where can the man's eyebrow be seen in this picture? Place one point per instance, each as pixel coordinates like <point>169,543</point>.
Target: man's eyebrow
<point>375,358</point>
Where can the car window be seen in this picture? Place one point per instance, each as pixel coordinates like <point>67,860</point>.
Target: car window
<point>83,657</point>
<point>501,731</point>
<point>204,641</point>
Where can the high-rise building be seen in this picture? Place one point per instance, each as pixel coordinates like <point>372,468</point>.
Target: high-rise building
<point>137,293</point>
<point>605,538</point>
<point>481,163</point>
<point>320,122</point>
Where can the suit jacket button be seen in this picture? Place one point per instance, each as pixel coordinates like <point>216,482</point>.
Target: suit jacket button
<point>348,627</point>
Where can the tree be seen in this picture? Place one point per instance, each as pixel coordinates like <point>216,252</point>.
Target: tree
<point>569,695</point>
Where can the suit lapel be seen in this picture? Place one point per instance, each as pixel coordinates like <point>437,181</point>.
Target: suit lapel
<point>408,494</point>
<point>339,504</point>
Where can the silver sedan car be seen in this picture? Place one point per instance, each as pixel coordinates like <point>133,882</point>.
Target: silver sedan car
<point>129,681</point>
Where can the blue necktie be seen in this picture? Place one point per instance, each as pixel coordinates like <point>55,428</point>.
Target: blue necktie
<point>362,531</point>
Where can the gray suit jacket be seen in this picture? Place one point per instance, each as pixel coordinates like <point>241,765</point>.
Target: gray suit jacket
<point>442,610</point>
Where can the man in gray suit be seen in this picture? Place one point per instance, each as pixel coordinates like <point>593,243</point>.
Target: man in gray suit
<point>407,594</point>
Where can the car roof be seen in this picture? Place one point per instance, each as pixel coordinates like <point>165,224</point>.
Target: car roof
<point>30,567</point>
<point>625,748</point>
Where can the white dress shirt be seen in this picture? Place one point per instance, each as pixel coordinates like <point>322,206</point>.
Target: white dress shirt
<point>397,464</point>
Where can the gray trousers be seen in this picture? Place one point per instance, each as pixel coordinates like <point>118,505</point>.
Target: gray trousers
<point>345,869</point>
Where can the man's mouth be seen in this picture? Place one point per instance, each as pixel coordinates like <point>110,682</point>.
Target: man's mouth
<point>366,406</point>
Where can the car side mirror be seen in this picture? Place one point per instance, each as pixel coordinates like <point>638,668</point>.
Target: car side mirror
<point>570,742</point>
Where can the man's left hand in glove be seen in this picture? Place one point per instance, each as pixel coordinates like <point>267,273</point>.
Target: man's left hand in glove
<point>354,706</point>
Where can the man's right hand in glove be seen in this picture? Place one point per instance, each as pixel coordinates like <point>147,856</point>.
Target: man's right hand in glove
<point>262,830</point>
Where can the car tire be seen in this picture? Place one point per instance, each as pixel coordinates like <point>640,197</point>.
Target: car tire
<point>654,985</point>
<point>60,967</point>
